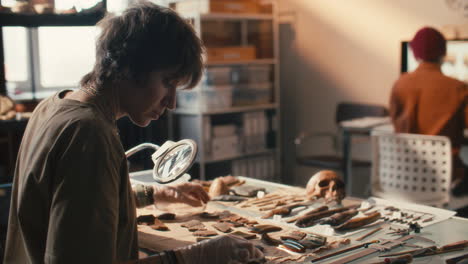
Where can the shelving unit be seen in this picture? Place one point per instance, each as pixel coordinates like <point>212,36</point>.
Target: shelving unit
<point>14,129</point>
<point>245,148</point>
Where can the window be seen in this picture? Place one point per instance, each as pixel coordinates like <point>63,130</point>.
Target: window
<point>17,63</point>
<point>64,55</point>
<point>40,61</point>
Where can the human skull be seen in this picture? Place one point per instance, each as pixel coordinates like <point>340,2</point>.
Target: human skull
<point>326,184</point>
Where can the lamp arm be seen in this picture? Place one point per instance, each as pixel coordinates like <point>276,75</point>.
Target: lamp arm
<point>142,146</point>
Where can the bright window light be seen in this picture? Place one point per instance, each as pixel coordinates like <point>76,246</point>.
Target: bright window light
<point>15,44</point>
<point>65,55</point>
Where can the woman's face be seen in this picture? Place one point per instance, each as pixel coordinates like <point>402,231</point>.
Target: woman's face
<point>148,101</point>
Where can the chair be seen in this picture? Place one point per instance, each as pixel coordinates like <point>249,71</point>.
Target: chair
<point>334,161</point>
<point>414,168</point>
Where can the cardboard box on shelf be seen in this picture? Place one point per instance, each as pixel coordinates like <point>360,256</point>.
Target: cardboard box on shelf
<point>220,6</point>
<point>233,53</point>
<point>225,147</point>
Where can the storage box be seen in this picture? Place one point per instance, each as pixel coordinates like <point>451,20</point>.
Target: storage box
<point>217,76</point>
<point>218,6</point>
<point>206,98</point>
<point>224,130</point>
<point>225,147</point>
<point>233,53</point>
<point>252,94</point>
<point>252,74</point>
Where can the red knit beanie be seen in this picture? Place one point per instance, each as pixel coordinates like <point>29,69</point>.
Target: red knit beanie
<point>428,44</point>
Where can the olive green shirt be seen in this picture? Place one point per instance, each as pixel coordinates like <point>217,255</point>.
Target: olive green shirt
<point>72,201</point>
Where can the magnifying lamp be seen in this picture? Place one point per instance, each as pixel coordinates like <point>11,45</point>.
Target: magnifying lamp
<point>171,160</point>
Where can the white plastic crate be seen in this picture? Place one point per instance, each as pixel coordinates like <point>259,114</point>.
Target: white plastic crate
<point>217,76</point>
<point>206,98</point>
<point>253,93</point>
<point>252,74</point>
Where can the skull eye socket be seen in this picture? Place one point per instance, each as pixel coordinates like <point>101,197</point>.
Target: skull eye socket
<point>324,183</point>
<point>339,184</point>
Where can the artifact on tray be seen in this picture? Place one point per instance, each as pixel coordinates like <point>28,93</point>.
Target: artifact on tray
<point>246,190</point>
<point>223,227</point>
<point>270,241</point>
<point>293,246</point>
<point>332,245</point>
<point>432,250</point>
<point>206,215</point>
<point>218,187</point>
<point>205,233</point>
<point>339,218</point>
<point>345,250</point>
<point>158,225</point>
<point>228,180</point>
<point>311,241</point>
<point>358,222</point>
<point>295,235</point>
<point>193,225</point>
<point>261,229</point>
<point>310,220</point>
<point>146,219</point>
<point>326,184</point>
<point>235,220</point>
<point>244,235</point>
<point>166,216</point>
<point>229,198</point>
<point>284,210</point>
<point>313,211</point>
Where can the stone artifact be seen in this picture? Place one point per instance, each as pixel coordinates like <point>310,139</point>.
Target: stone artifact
<point>261,229</point>
<point>326,184</point>
<point>158,225</point>
<point>339,218</point>
<point>194,225</point>
<point>166,216</point>
<point>223,227</point>
<point>218,187</point>
<point>359,222</point>
<point>205,233</point>
<point>244,235</point>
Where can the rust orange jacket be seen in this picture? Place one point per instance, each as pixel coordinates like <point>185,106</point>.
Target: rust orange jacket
<point>426,101</point>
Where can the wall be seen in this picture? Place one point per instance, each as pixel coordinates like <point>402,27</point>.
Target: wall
<point>333,51</point>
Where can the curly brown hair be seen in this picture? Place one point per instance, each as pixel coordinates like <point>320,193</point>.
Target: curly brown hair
<point>146,38</point>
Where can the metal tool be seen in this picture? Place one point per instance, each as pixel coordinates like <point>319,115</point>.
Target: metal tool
<point>339,252</point>
<point>433,250</point>
<point>385,245</point>
<point>373,231</point>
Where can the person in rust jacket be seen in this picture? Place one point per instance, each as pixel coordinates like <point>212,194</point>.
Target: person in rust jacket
<point>428,102</point>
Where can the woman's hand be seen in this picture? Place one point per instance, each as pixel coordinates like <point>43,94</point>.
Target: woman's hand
<point>189,193</point>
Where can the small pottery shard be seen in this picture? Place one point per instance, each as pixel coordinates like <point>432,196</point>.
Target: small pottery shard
<point>146,219</point>
<point>223,227</point>
<point>244,235</point>
<point>261,229</point>
<point>270,241</point>
<point>294,235</point>
<point>206,215</point>
<point>158,225</point>
<point>194,225</point>
<point>205,233</point>
<point>166,216</point>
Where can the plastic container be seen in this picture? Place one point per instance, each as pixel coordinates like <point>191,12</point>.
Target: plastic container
<point>252,94</point>
<point>217,76</point>
<point>206,98</point>
<point>252,74</point>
